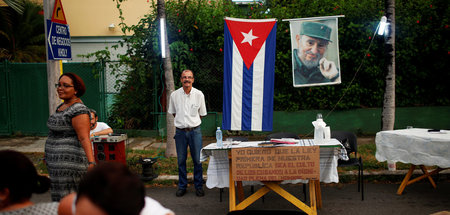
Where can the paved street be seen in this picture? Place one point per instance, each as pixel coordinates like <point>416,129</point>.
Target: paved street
<point>419,198</point>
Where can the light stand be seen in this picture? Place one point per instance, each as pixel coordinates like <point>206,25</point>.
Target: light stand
<point>148,172</point>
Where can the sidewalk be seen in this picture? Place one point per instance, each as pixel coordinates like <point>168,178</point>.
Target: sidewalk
<point>37,144</point>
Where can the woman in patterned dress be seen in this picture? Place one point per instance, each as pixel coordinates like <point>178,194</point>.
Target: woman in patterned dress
<point>68,151</point>
<point>18,182</point>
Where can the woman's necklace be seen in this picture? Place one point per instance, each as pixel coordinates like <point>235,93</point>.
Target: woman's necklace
<point>66,105</point>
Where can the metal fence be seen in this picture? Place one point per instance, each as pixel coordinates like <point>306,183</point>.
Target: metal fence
<point>132,104</point>
<point>24,95</point>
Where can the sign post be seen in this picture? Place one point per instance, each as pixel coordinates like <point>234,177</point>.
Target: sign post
<point>53,68</point>
<point>58,36</point>
<point>58,40</point>
<point>53,11</point>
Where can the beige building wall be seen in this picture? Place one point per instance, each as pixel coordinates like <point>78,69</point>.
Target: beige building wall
<point>93,17</point>
<point>90,20</point>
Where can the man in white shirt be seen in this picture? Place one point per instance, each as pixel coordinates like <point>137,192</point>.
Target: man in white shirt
<point>187,105</point>
<point>98,128</point>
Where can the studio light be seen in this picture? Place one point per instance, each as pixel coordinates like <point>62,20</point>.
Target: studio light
<point>382,27</point>
<point>162,33</point>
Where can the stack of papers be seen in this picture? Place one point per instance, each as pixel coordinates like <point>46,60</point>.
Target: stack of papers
<point>284,141</point>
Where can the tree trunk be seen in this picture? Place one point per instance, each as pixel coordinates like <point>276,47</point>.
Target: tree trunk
<point>388,114</point>
<point>170,87</point>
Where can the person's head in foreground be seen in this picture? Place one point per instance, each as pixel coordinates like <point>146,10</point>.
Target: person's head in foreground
<point>312,43</point>
<point>109,189</point>
<point>19,181</point>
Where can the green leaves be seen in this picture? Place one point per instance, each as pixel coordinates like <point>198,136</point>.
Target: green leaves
<point>195,34</point>
<point>22,36</point>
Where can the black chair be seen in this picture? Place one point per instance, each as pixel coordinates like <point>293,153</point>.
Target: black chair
<point>242,139</point>
<point>349,141</point>
<point>280,135</point>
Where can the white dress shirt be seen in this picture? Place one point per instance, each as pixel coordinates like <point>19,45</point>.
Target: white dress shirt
<point>100,127</point>
<point>187,107</point>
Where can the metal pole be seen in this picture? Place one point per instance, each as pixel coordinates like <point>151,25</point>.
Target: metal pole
<point>53,68</point>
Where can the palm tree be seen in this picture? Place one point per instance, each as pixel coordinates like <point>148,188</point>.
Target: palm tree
<point>388,114</point>
<point>22,35</point>
<point>168,75</point>
<point>16,5</point>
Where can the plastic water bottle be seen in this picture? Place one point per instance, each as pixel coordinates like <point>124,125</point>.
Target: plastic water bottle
<point>319,130</point>
<point>219,138</point>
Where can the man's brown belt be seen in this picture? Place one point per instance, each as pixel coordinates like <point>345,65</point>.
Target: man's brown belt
<point>187,129</point>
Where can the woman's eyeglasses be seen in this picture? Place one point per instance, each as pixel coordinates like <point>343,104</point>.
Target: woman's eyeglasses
<point>64,86</point>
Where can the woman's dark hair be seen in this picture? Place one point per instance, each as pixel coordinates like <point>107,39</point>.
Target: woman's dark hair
<point>20,176</point>
<point>113,188</point>
<point>78,83</point>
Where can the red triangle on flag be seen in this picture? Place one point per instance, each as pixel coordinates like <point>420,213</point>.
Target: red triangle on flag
<point>249,36</point>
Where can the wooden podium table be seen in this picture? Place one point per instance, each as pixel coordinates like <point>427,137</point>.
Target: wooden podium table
<point>314,195</point>
<point>221,165</point>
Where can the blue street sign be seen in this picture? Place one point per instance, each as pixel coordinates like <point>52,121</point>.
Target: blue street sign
<point>58,41</point>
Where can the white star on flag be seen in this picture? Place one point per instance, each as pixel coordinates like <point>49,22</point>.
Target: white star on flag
<point>248,38</point>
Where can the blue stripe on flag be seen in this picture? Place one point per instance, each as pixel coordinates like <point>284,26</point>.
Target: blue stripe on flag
<point>269,79</point>
<point>227,77</point>
<point>247,94</point>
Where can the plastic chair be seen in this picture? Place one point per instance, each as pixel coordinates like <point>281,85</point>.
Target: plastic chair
<point>349,141</point>
<point>242,139</point>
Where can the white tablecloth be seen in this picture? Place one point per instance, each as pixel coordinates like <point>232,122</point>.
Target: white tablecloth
<point>218,168</point>
<point>416,146</point>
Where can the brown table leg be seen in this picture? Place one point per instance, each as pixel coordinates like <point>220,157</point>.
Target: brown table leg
<point>232,191</point>
<point>312,196</point>
<point>406,179</point>
<point>425,172</point>
<point>318,195</point>
<point>240,191</point>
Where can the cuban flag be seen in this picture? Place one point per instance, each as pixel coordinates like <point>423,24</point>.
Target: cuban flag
<point>249,71</point>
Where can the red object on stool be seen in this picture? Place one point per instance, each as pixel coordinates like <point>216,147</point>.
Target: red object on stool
<point>110,148</point>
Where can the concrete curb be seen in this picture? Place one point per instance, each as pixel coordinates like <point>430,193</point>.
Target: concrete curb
<point>353,173</point>
<point>387,172</point>
<point>37,144</point>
